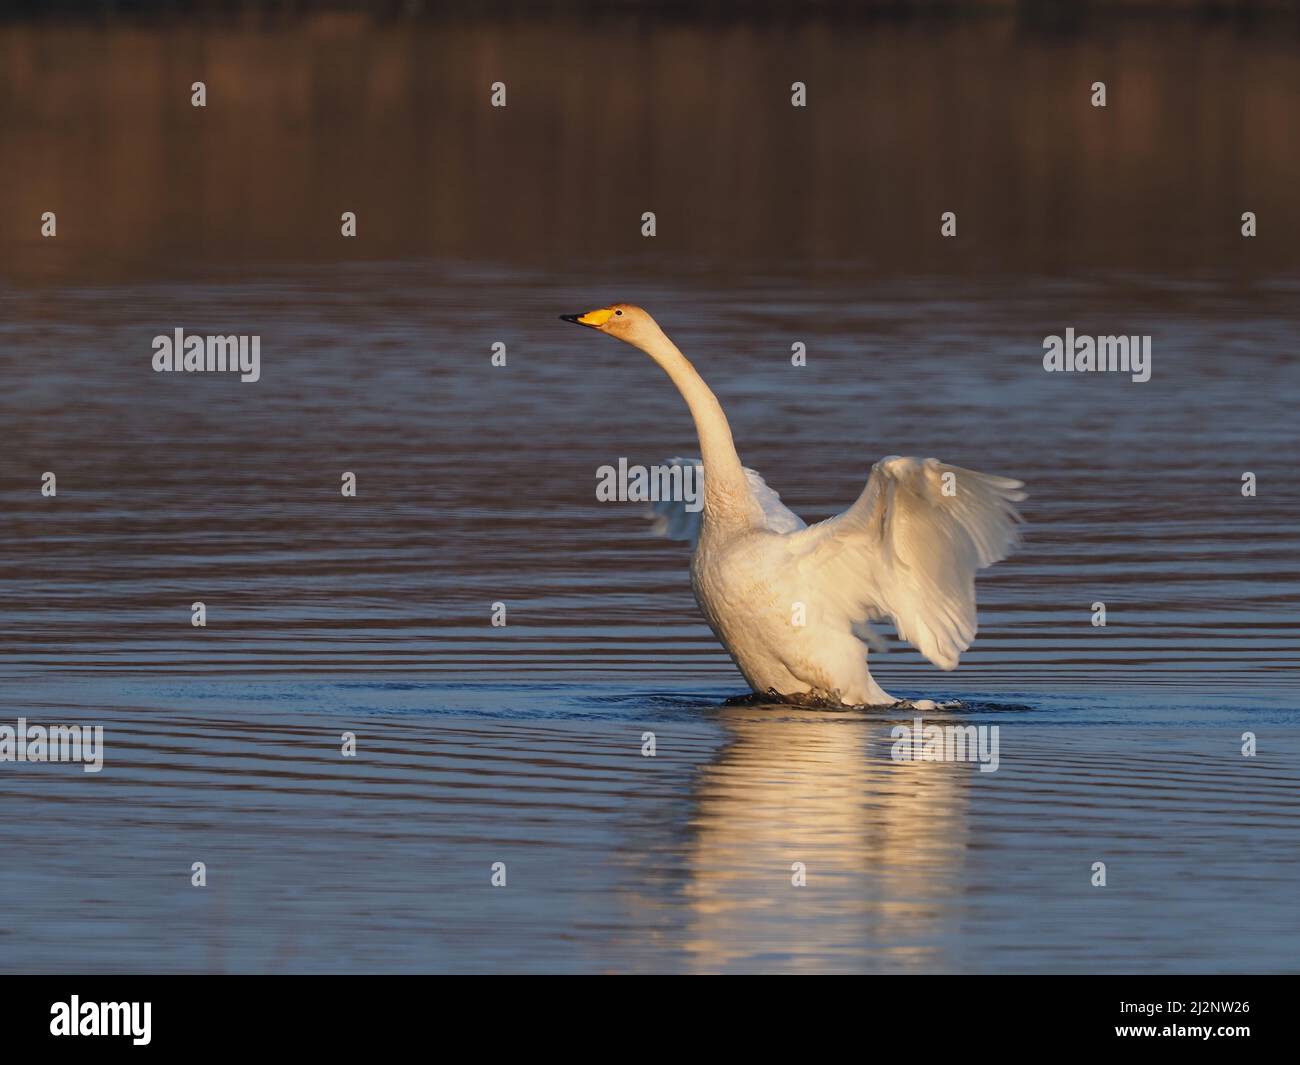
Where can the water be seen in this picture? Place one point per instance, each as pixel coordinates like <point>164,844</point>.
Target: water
<point>476,485</point>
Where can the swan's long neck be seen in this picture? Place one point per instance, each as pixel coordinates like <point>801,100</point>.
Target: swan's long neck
<point>727,496</point>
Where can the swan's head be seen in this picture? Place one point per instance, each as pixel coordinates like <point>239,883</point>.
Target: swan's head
<point>623,320</point>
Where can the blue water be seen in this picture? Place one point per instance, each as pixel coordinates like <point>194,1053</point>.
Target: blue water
<point>522,744</point>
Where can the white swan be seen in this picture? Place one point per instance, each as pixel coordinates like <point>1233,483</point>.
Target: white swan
<point>790,602</point>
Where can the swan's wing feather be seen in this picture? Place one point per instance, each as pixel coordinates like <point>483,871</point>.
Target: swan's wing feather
<point>908,551</point>
<point>777,517</point>
<point>674,521</point>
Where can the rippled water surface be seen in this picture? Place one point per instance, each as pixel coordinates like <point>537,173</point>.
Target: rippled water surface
<point>523,743</point>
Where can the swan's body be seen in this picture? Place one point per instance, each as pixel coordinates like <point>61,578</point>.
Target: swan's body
<point>792,603</point>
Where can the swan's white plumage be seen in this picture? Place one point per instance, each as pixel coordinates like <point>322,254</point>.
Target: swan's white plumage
<point>908,552</point>
<point>675,522</point>
<point>792,603</point>
<point>904,551</point>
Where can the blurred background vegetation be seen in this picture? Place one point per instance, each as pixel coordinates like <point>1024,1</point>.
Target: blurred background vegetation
<point>619,108</point>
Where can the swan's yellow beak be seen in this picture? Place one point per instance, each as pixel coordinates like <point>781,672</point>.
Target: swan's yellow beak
<point>595,319</point>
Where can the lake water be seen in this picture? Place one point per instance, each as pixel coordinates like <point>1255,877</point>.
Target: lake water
<point>522,744</point>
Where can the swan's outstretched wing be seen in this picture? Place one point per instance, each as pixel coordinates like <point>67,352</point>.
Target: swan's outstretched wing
<point>908,550</point>
<point>673,520</point>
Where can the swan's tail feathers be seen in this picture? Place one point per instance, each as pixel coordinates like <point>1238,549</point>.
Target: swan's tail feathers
<point>678,514</point>
<point>910,547</point>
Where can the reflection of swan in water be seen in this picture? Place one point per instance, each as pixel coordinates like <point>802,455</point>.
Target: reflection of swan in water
<point>883,844</point>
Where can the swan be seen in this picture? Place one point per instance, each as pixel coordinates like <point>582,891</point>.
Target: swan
<point>792,603</point>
